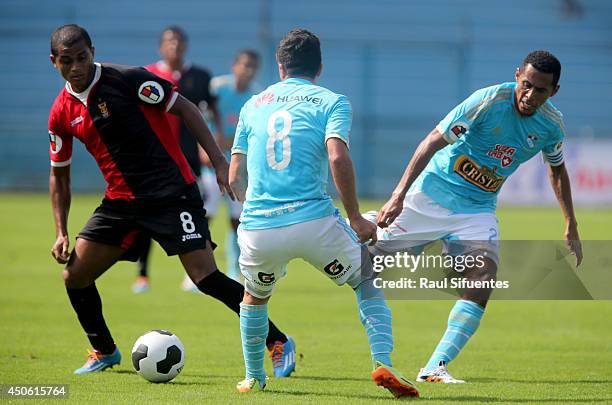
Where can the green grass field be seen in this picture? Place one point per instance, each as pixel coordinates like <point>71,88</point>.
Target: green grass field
<point>524,352</point>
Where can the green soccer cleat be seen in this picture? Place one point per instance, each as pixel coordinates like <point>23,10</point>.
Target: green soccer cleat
<point>394,381</point>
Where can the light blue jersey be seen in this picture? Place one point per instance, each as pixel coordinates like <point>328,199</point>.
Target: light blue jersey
<point>488,140</point>
<point>283,131</point>
<point>230,101</point>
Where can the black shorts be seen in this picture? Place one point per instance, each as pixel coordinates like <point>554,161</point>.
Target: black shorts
<point>178,224</point>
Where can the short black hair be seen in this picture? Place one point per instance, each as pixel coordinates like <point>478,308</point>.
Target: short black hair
<point>249,53</point>
<point>545,62</point>
<point>300,53</point>
<point>68,35</point>
<point>176,30</point>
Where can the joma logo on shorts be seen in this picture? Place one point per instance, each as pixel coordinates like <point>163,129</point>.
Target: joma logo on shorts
<point>191,236</point>
<point>482,177</point>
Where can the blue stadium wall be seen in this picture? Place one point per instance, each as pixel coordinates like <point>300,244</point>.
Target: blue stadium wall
<point>403,64</point>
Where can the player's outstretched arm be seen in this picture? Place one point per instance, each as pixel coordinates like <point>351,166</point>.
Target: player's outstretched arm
<point>238,175</point>
<point>559,179</point>
<point>344,177</point>
<point>423,154</point>
<point>192,117</point>
<point>59,191</point>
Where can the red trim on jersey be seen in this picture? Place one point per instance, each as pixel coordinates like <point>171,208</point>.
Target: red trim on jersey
<point>161,127</point>
<point>67,107</point>
<point>116,187</point>
<point>128,240</point>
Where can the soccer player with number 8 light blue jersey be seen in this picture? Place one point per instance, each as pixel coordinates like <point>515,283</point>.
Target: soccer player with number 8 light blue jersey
<point>286,138</point>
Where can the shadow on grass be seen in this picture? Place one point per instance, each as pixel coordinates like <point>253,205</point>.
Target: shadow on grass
<point>332,395</point>
<point>490,400</point>
<point>121,371</point>
<point>318,378</point>
<point>457,398</point>
<point>192,379</point>
<point>180,382</point>
<point>535,381</point>
<point>213,377</point>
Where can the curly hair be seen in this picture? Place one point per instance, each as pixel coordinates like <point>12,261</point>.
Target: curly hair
<point>545,62</point>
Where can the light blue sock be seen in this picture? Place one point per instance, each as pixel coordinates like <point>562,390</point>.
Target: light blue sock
<point>232,255</point>
<point>463,321</point>
<point>253,330</point>
<point>375,316</point>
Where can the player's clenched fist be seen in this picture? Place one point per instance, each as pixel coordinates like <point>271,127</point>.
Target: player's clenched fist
<point>60,249</point>
<point>366,230</point>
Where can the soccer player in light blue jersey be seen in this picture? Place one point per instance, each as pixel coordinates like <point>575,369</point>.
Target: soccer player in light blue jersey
<point>449,189</point>
<point>285,140</point>
<point>231,91</point>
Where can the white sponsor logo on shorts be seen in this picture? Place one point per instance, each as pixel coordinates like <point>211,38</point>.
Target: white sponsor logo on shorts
<point>191,236</point>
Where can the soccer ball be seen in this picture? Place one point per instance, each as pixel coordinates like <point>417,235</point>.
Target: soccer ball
<point>158,356</point>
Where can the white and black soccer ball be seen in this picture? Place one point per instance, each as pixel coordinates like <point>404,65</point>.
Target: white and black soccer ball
<point>158,356</point>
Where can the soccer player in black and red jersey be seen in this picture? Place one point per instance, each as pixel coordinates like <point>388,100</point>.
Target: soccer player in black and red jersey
<point>118,112</point>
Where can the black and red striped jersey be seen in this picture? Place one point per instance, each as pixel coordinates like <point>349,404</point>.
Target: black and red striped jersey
<point>121,119</point>
<point>194,84</point>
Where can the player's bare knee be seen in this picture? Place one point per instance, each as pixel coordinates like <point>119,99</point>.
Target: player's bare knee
<point>250,299</point>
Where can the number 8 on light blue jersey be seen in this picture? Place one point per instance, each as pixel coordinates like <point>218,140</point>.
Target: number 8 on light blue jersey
<point>281,136</point>
<point>283,131</point>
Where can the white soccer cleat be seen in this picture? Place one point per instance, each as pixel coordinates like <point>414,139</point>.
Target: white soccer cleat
<point>251,384</point>
<point>438,375</point>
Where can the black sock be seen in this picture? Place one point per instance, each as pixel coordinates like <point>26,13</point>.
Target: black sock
<point>88,307</point>
<point>143,260</point>
<point>230,292</point>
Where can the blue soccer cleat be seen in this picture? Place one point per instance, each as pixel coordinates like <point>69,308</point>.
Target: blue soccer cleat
<point>97,361</point>
<point>141,285</point>
<point>283,357</point>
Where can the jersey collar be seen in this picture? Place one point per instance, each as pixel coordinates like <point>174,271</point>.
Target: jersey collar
<point>85,93</point>
<point>296,80</point>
